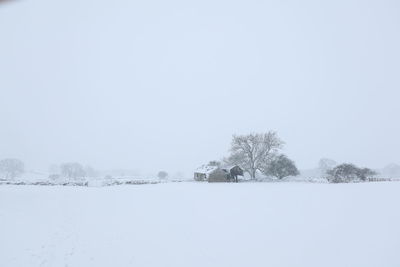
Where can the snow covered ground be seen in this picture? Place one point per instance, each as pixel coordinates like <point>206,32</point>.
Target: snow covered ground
<point>201,224</point>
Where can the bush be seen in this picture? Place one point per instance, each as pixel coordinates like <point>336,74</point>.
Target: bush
<point>346,173</point>
<point>281,167</point>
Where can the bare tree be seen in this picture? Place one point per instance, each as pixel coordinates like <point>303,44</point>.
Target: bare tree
<point>72,170</point>
<point>280,167</point>
<point>252,152</point>
<point>162,174</point>
<point>11,168</point>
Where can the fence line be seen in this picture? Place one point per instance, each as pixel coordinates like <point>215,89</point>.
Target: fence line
<point>383,179</point>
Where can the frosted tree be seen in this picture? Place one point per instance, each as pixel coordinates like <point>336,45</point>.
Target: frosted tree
<point>11,168</point>
<point>280,167</point>
<point>254,151</point>
<point>72,170</point>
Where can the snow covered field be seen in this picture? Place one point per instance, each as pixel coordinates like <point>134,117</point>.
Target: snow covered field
<point>201,224</point>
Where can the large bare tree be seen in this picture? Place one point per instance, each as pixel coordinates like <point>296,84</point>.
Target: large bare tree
<point>253,151</point>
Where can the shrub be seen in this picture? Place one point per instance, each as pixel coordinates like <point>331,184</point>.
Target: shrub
<point>346,173</point>
<point>281,167</point>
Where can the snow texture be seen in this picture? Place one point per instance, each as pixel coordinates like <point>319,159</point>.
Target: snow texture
<point>201,224</point>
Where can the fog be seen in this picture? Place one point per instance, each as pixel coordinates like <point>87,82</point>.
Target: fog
<point>151,85</point>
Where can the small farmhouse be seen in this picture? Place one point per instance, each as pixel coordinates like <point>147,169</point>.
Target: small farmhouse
<point>202,173</point>
<point>212,173</point>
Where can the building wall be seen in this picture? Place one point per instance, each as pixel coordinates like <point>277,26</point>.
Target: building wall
<point>218,176</point>
<point>200,176</point>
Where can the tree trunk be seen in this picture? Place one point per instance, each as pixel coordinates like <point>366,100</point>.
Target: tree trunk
<point>253,174</point>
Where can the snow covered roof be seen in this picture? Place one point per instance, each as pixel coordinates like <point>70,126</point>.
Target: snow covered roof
<point>206,169</point>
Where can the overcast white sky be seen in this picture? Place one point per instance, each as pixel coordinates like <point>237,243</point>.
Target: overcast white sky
<point>156,84</point>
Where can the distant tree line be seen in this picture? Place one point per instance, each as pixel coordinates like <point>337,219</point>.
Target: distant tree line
<point>255,153</point>
<point>11,168</point>
<point>72,171</point>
